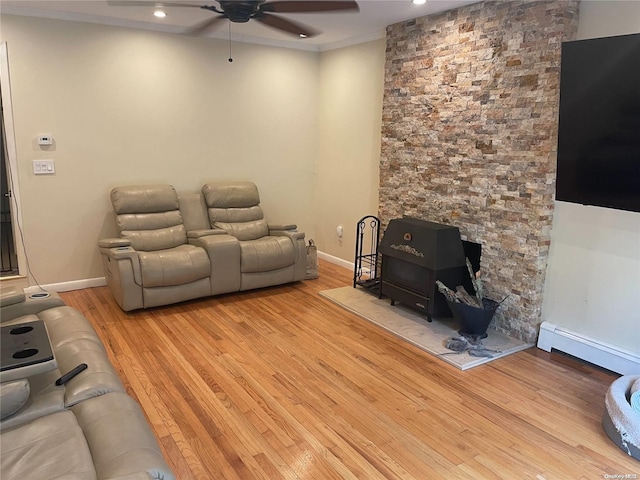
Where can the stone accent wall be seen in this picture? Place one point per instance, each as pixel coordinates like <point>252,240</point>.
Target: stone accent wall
<point>469,137</point>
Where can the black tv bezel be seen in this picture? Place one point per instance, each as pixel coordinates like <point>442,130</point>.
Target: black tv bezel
<point>594,72</point>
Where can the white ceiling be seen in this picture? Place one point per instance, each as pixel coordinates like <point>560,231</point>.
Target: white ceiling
<point>338,30</point>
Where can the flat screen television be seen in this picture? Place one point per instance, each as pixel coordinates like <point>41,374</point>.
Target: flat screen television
<point>599,125</point>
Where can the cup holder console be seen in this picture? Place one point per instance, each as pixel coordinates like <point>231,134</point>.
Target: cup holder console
<point>21,330</point>
<point>39,295</point>
<point>26,353</point>
<point>24,345</point>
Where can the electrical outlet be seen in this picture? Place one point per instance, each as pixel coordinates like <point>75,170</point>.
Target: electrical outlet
<point>45,140</point>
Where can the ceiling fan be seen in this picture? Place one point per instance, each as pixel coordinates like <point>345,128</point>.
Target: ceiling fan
<point>241,11</point>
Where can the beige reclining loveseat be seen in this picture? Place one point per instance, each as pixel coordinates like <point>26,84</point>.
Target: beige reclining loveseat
<point>175,247</point>
<point>87,427</point>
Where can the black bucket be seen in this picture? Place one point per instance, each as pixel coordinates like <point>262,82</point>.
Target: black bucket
<point>473,321</point>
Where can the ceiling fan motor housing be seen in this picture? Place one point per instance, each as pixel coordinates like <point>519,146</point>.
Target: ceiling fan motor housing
<point>241,12</point>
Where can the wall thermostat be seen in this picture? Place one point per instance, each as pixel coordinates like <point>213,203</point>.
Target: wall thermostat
<point>45,140</point>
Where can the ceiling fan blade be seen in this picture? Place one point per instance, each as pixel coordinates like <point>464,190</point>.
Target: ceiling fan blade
<point>308,7</point>
<point>143,3</point>
<point>200,28</point>
<point>288,26</point>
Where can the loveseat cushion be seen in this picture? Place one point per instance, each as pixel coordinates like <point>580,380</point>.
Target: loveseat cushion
<point>176,266</point>
<point>245,230</point>
<point>266,254</point>
<point>52,446</point>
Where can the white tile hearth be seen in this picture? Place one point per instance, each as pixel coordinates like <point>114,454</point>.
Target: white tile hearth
<point>413,327</point>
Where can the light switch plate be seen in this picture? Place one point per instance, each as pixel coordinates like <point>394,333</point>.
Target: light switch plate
<point>44,167</point>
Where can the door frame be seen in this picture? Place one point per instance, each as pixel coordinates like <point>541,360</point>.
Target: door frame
<point>11,160</point>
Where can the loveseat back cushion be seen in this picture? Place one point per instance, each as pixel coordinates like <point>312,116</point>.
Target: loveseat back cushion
<point>245,230</point>
<point>234,215</point>
<point>235,208</point>
<point>266,254</point>
<point>144,199</point>
<point>149,239</point>
<point>231,194</point>
<point>149,216</point>
<point>177,266</point>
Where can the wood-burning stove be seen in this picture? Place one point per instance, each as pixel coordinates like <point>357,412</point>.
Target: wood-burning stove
<point>416,253</point>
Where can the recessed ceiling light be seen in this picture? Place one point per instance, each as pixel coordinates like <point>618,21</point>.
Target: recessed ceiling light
<point>303,35</point>
<point>159,14</point>
<point>419,2</point>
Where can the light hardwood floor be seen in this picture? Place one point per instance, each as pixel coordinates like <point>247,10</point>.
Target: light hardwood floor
<point>281,383</point>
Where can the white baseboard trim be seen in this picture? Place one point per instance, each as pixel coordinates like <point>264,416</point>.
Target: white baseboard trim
<point>67,286</point>
<point>607,356</point>
<point>335,260</point>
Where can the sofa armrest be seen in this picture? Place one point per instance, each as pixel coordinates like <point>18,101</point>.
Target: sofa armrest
<point>17,304</point>
<point>10,296</point>
<point>121,441</point>
<point>277,226</point>
<point>114,242</point>
<point>205,233</point>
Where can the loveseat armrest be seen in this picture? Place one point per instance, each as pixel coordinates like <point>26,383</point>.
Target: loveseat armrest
<point>114,242</point>
<point>292,234</point>
<point>277,226</point>
<point>205,233</point>
<point>122,253</point>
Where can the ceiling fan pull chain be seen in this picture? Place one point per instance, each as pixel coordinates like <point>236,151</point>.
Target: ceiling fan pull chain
<point>230,58</point>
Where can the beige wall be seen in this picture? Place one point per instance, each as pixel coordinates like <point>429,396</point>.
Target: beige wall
<point>350,117</point>
<point>127,106</point>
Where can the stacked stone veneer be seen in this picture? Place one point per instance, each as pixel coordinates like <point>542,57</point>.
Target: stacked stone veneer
<point>469,137</point>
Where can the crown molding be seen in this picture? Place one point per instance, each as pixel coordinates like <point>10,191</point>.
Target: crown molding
<point>123,23</point>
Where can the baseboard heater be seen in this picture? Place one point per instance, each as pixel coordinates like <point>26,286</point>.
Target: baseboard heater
<point>593,351</point>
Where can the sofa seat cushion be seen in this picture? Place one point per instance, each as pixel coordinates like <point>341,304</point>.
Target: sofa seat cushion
<point>266,254</point>
<point>175,266</point>
<point>52,446</point>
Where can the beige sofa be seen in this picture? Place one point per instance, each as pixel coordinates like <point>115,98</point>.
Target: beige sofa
<point>175,247</point>
<point>86,428</point>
